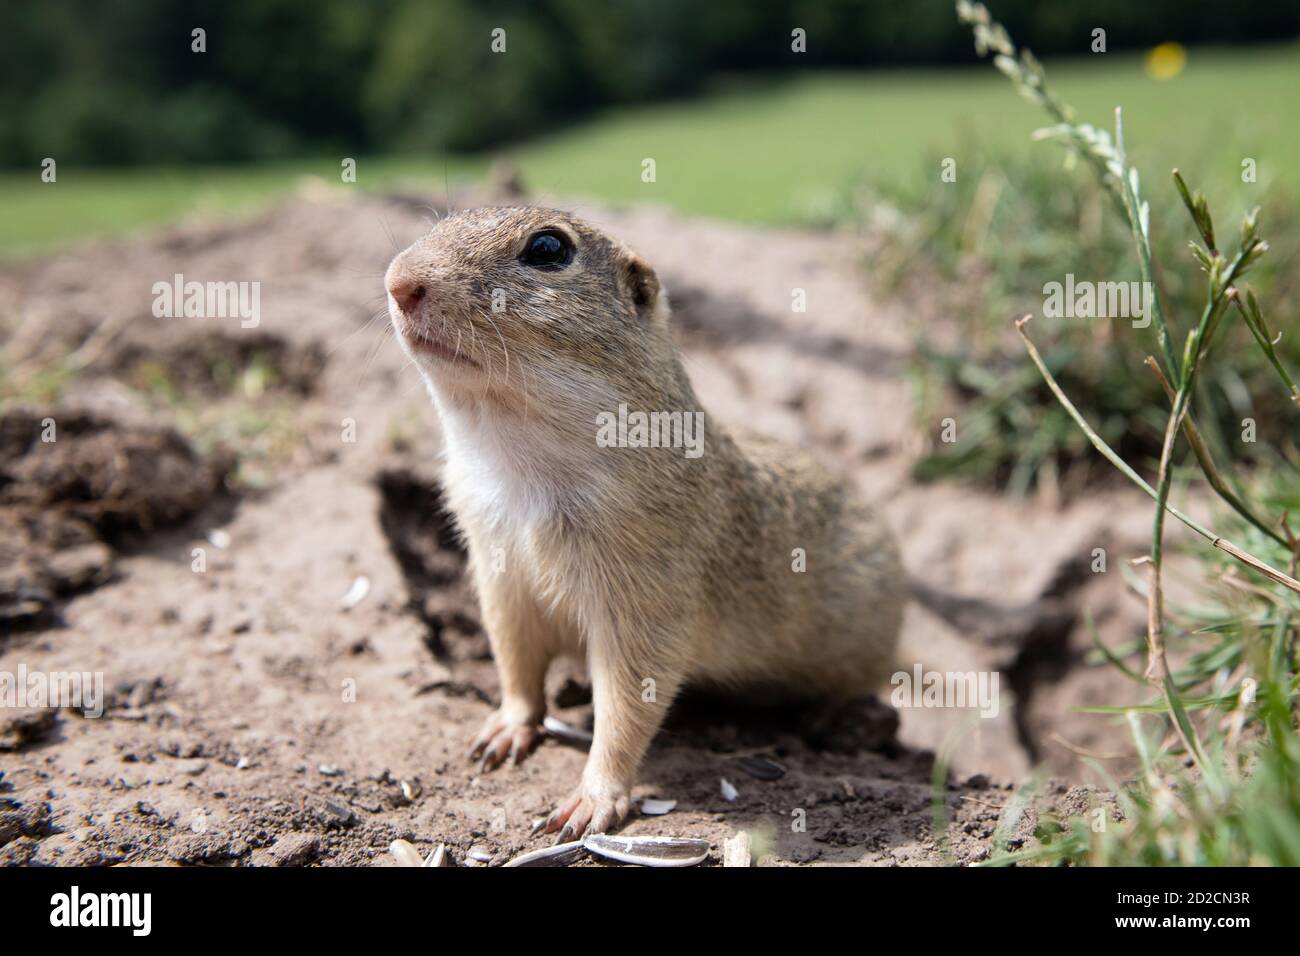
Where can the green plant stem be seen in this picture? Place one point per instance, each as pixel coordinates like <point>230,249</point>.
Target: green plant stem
<point>1223,544</point>
<point>1197,341</point>
<point>1261,339</point>
<point>1139,224</point>
<point>1210,468</point>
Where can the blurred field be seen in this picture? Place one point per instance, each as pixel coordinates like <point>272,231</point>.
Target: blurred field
<point>789,150</point>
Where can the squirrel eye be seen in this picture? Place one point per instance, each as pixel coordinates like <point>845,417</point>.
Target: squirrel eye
<point>548,249</point>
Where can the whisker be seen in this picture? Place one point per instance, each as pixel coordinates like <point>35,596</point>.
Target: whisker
<point>363,327</point>
<point>374,354</point>
<point>419,380</point>
<point>389,233</point>
<point>473,339</point>
<point>446,183</point>
<point>505,348</point>
<point>457,353</point>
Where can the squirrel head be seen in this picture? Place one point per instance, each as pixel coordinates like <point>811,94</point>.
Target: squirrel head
<point>524,304</point>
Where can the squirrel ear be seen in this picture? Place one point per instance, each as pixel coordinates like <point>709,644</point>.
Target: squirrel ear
<point>639,283</point>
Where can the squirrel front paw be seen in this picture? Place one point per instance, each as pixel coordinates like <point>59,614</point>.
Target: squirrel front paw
<point>592,807</point>
<point>504,735</point>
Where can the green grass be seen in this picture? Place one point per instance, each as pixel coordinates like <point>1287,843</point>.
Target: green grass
<point>96,202</point>
<point>1045,222</point>
<point>774,150</point>
<point>1244,809</point>
<point>780,153</point>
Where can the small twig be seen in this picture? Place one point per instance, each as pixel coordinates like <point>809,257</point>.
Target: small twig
<point>1230,578</point>
<point>1292,542</point>
<point>90,350</point>
<point>982,803</point>
<point>1084,751</point>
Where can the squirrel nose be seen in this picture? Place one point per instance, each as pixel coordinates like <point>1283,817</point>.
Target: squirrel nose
<point>406,291</point>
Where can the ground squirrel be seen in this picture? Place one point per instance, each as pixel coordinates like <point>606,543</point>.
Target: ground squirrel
<point>602,520</point>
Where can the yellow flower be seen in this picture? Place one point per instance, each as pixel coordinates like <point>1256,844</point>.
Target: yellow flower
<point>1165,61</point>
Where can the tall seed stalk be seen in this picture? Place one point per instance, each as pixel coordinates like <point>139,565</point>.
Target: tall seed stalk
<point>1179,374</point>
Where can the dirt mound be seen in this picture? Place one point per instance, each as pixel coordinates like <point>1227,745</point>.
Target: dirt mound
<point>213,362</point>
<point>70,481</point>
<point>44,557</point>
<point>114,476</point>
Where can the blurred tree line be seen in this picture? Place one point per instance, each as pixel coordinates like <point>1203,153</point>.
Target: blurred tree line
<point>113,83</point>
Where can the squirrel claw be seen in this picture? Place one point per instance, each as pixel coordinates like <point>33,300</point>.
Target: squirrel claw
<point>587,811</point>
<point>503,739</point>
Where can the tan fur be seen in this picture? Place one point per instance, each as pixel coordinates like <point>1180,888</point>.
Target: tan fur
<point>657,567</point>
